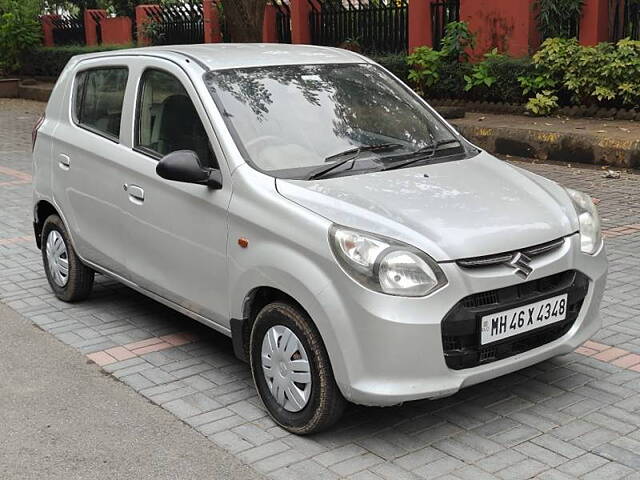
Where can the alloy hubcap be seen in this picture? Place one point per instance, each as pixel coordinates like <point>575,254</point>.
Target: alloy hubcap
<point>286,368</point>
<point>57,258</point>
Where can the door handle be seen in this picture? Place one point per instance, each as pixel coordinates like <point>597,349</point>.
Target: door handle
<point>136,193</point>
<point>64,161</point>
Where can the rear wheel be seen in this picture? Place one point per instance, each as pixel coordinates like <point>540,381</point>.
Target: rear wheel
<point>292,372</point>
<point>68,277</point>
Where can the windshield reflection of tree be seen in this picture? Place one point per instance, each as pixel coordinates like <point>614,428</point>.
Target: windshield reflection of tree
<point>365,102</point>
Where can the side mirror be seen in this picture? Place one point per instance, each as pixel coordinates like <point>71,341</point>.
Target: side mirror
<point>185,166</point>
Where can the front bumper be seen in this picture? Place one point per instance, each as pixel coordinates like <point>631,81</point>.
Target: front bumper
<point>390,349</point>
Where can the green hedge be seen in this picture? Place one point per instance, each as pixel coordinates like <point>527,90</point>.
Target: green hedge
<point>49,61</point>
<point>506,89</point>
<point>451,83</point>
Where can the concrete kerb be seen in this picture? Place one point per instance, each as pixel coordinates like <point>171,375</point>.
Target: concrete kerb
<point>550,145</point>
<point>39,91</point>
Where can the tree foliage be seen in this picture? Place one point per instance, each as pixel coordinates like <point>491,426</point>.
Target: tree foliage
<point>19,31</point>
<point>559,18</point>
<point>244,19</point>
<point>425,62</point>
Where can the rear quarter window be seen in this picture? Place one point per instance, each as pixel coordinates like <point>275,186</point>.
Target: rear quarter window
<point>99,97</point>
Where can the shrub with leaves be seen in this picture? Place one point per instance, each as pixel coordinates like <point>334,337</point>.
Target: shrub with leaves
<point>555,56</point>
<point>153,32</point>
<point>506,87</point>
<point>543,103</point>
<point>425,64</point>
<point>19,31</point>
<point>606,74</point>
<point>481,74</point>
<point>626,69</point>
<point>562,72</point>
<point>456,41</point>
<point>535,82</point>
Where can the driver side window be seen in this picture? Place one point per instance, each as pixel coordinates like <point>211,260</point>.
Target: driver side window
<point>168,120</point>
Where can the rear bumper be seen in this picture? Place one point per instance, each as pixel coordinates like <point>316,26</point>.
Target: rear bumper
<point>393,348</point>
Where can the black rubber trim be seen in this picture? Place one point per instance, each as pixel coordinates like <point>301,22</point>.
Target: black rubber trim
<point>461,326</point>
<point>37,230</point>
<point>237,338</point>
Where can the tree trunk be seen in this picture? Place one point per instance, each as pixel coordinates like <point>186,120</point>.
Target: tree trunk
<point>244,19</point>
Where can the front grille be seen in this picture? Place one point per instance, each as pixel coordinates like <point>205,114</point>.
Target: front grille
<point>497,259</point>
<point>461,326</point>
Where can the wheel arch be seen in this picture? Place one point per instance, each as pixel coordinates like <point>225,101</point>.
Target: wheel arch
<point>254,301</point>
<point>42,210</point>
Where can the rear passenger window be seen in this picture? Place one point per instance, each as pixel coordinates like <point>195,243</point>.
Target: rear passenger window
<point>99,98</point>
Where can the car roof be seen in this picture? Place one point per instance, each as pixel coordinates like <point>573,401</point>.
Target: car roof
<point>218,56</point>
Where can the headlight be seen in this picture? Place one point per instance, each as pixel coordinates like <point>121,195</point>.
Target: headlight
<point>385,265</point>
<point>590,233</point>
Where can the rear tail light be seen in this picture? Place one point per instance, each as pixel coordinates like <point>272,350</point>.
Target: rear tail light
<point>34,132</point>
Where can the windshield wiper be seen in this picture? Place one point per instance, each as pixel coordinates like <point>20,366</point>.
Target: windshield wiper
<point>364,148</point>
<point>352,154</point>
<point>422,154</point>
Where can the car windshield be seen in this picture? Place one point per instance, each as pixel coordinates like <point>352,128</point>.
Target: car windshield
<point>290,121</point>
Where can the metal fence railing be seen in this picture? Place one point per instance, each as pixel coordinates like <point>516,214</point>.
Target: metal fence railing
<point>443,13</point>
<point>376,26</point>
<point>68,30</point>
<point>283,20</point>
<point>178,23</point>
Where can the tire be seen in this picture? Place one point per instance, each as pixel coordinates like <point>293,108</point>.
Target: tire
<point>324,404</point>
<point>78,283</point>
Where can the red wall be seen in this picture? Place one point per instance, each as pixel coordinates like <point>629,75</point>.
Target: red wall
<point>47,30</point>
<point>269,30</point>
<point>212,32</point>
<point>419,24</point>
<point>116,30</point>
<point>91,26</point>
<point>508,25</point>
<point>594,27</point>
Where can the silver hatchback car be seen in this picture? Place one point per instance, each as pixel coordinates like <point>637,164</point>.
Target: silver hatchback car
<point>305,202</point>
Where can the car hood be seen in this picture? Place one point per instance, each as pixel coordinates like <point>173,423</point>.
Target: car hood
<point>451,210</point>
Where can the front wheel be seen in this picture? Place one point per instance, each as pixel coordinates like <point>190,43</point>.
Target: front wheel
<point>292,372</point>
<point>68,277</point>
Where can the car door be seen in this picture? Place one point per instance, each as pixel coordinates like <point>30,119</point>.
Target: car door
<point>87,155</point>
<point>177,231</point>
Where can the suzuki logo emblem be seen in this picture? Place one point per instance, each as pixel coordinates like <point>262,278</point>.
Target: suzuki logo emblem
<point>520,262</point>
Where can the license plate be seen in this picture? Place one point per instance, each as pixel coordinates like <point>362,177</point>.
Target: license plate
<point>508,323</point>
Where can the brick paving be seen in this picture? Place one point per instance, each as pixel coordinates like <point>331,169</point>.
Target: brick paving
<point>576,416</point>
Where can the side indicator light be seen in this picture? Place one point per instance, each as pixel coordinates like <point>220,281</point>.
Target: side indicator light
<point>243,242</point>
